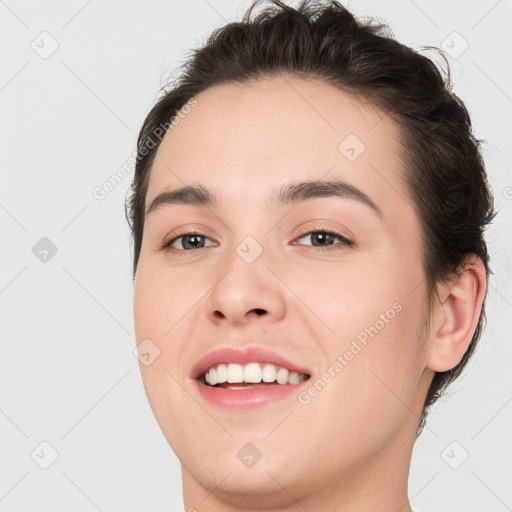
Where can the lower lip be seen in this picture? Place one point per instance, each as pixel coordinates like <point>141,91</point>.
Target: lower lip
<point>248,398</point>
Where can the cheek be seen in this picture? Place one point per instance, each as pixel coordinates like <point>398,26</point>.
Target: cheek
<point>368,388</point>
<point>347,296</point>
<point>160,300</point>
<point>158,330</point>
<point>372,345</point>
<point>158,308</point>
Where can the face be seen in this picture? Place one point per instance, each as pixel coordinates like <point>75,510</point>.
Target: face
<point>332,283</point>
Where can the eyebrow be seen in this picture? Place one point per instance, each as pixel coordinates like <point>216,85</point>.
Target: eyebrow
<point>288,194</point>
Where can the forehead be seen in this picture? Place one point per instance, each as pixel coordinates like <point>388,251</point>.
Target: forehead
<point>244,139</point>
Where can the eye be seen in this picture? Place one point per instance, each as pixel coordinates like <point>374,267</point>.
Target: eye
<point>321,239</point>
<point>188,242</point>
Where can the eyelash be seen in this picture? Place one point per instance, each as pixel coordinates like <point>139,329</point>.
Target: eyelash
<point>166,245</point>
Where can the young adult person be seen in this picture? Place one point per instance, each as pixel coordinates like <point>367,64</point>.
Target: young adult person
<point>308,215</point>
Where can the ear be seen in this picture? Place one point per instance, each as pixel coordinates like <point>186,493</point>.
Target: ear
<point>455,316</point>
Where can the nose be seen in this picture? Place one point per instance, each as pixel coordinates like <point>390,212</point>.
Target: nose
<point>246,292</point>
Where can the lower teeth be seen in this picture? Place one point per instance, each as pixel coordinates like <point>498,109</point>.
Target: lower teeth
<point>244,385</point>
<point>241,387</point>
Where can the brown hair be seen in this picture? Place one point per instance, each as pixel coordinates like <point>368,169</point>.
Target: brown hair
<point>445,172</point>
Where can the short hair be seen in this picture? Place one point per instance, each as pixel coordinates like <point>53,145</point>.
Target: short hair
<point>444,170</point>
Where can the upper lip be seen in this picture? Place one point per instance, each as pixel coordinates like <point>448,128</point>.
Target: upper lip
<point>243,356</point>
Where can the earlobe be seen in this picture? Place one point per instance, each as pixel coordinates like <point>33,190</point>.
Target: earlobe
<point>455,317</point>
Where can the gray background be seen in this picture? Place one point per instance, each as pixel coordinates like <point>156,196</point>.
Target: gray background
<point>68,376</point>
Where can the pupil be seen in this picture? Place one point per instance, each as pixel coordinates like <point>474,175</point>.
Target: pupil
<point>321,234</point>
<point>191,237</point>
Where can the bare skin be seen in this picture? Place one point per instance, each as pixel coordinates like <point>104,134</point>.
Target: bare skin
<point>349,447</point>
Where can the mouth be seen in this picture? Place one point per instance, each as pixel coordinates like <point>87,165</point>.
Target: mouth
<point>247,378</point>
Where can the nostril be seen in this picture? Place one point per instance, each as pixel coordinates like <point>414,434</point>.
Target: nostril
<point>259,311</point>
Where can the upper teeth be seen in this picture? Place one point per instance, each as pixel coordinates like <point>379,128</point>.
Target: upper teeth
<point>251,372</point>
